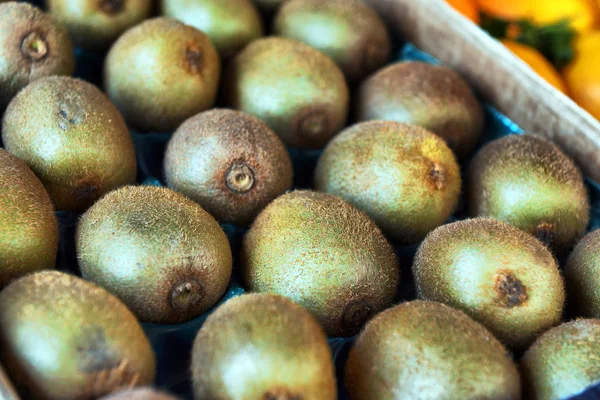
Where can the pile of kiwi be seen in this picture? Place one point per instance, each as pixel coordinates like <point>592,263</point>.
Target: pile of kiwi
<point>324,223</point>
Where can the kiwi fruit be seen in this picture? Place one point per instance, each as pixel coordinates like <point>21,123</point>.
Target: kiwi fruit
<point>7,390</point>
<point>582,276</point>
<point>297,90</point>
<point>95,25</point>
<point>161,72</point>
<point>501,276</point>
<point>271,347</point>
<point>230,24</point>
<point>143,393</point>
<point>427,350</point>
<point>158,251</point>
<point>229,162</point>
<point>563,361</point>
<point>28,227</point>
<point>64,338</point>
<point>530,183</point>
<point>325,255</point>
<point>432,96</point>
<point>32,46</point>
<point>72,137</point>
<point>405,177</point>
<point>348,31</point>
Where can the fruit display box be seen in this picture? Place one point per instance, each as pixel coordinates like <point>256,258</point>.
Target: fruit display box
<point>514,98</point>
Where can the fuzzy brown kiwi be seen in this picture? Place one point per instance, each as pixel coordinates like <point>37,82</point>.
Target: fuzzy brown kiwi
<point>297,90</point>
<point>271,347</point>
<point>563,362</point>
<point>530,183</point>
<point>432,96</point>
<point>229,162</point>
<point>161,72</point>
<point>426,350</point>
<point>95,25</point>
<point>323,254</point>
<point>582,275</point>
<point>32,45</point>
<point>77,143</point>
<point>160,252</point>
<point>28,226</point>
<point>501,276</point>
<point>64,338</point>
<point>230,24</point>
<point>403,176</point>
<point>348,31</point>
<point>145,393</point>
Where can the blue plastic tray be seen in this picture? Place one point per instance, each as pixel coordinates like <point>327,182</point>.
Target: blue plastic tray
<point>172,343</point>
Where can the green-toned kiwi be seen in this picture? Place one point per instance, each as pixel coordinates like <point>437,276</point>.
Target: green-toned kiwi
<point>64,338</point>
<point>403,176</point>
<point>95,25</point>
<point>260,346</point>
<point>432,96</point>
<point>563,361</point>
<point>28,227</point>
<point>160,252</point>
<point>230,24</point>
<point>426,350</point>
<point>501,276</point>
<point>161,72</point>
<point>7,390</point>
<point>530,183</point>
<point>325,255</point>
<point>348,31</point>
<point>72,137</point>
<point>582,275</point>
<point>32,45</point>
<point>297,90</point>
<point>229,162</point>
<point>139,394</point>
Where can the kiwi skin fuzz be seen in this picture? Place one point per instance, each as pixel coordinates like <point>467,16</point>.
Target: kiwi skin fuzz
<point>170,261</point>
<point>530,183</point>
<point>64,338</point>
<point>432,96</point>
<point>297,90</point>
<point>348,31</point>
<point>144,393</point>
<point>77,144</point>
<point>582,276</point>
<point>563,361</point>
<point>403,176</point>
<point>500,276</point>
<point>28,226</point>
<point>325,255</point>
<point>230,24</point>
<point>290,357</point>
<point>182,82</point>
<point>249,165</point>
<point>95,25</point>
<point>427,350</point>
<point>32,46</point>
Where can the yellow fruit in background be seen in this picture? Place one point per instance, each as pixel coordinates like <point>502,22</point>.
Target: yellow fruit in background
<point>468,8</point>
<point>538,63</point>
<point>583,74</point>
<point>583,14</point>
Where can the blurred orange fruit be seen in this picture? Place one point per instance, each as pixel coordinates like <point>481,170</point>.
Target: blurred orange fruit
<point>468,8</point>
<point>583,14</point>
<point>583,73</point>
<point>538,63</point>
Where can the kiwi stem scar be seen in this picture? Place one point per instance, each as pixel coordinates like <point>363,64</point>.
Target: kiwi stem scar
<point>112,7</point>
<point>512,292</point>
<point>185,295</point>
<point>193,55</point>
<point>312,124</point>
<point>438,175</point>
<point>34,46</point>
<point>240,178</point>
